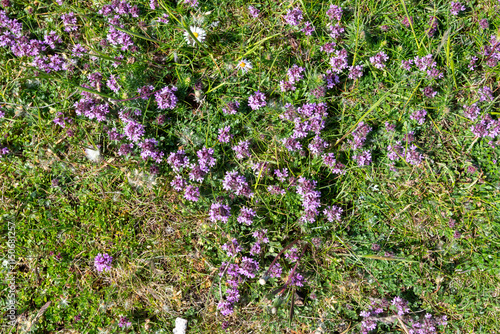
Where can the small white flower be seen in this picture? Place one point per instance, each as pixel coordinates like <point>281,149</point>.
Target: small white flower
<point>197,32</point>
<point>244,65</point>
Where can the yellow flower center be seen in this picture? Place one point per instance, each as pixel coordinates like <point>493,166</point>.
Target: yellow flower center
<point>242,64</point>
<point>195,34</point>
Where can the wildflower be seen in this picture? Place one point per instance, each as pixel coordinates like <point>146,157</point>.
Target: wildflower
<point>103,262</point>
<point>125,149</point>
<point>254,12</point>
<point>118,37</point>
<point>425,62</point>
<point>308,28</point>
<point>256,249</point>
<point>339,61</point>
<point>434,74</point>
<point>335,12</point>
<point>390,127</point>
<point>231,108</point>
<point>364,158</point>
<point>177,160</point>
<point>163,18</point>
<point>429,92</point>
<point>379,60</point>
<point>401,305</point>
<point>485,94</point>
<point>328,47</point>
<point>317,145</point>
<point>331,79</point>
<point>242,149</point>
<point>69,21</point>
<point>232,295</point>
<point>145,91</point>
<point>412,156</point>
<point>472,63</point>
<point>192,193</point>
<point>232,248</point>
<point>226,308</point>
<point>394,152</point>
<point>295,73</point>
<point>419,116</point>
<point>275,190</point>
<point>292,254</point>
<point>224,135</point>
<point>124,322</point>
<point>336,31</point>
<point>244,65</point>
<point>333,213</point>
<point>310,199</point>
<point>293,16</point>
<point>281,174</point>
<point>178,183</point>
<point>219,212</point>
<point>275,270</point>
<point>407,22</point>
<point>484,24</point>
<point>359,135</point>
<point>112,84</point>
<point>433,24</point>
<point>297,279</point>
<point>148,147</point>
<point>192,3</point>
<point>355,72</point>
<point>51,39</point>
<point>236,183</point>
<point>456,8</point>
<point>406,64</point>
<point>78,50</point>
<point>166,98</point>
<point>472,111</point>
<point>197,32</point>
<point>246,216</point>
<point>197,173</point>
<point>260,235</point>
<point>206,159</point>
<point>248,267</point>
<point>257,100</point>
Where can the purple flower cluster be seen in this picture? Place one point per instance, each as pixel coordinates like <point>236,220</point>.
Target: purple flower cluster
<point>4,151</point>
<point>419,116</point>
<point>178,183</point>
<point>178,160</point>
<point>113,84</point>
<point>232,248</point>
<point>330,161</point>
<point>69,21</point>
<point>379,60</point>
<point>336,31</point>
<point>317,145</point>
<point>472,111</point>
<point>328,47</point>
<point>257,101</point>
<point>292,255</point>
<point>78,50</point>
<point>197,174</point>
<point>355,72</point>
<point>225,135</point>
<point>242,150</point>
<point>331,79</point>
<point>148,147</point>
<point>275,190</point>
<point>333,213</point>
<point>429,92</point>
<point>433,25</point>
<point>425,62</point>
<point>281,174</point>
<point>339,61</point>
<point>103,262</point>
<point>51,39</point>
<point>487,126</point>
<point>124,322</point>
<point>412,156</point>
<point>310,199</point>
<point>293,16</point>
<point>254,12</point>
<point>166,98</point>
<point>206,158</point>
<point>236,183</point>
<point>294,75</point>
<point>219,212</point>
<point>61,120</point>
<point>145,91</point>
<point>54,63</point>
<point>359,135</point>
<point>363,158</point>
<point>231,108</point>
<point>485,94</point>
<point>117,37</point>
<point>456,8</point>
<point>297,279</point>
<point>89,108</point>
<point>334,12</point>
<point>246,216</point>
<point>192,193</point>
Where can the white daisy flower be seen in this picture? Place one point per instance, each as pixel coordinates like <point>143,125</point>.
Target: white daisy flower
<point>197,32</point>
<point>244,65</point>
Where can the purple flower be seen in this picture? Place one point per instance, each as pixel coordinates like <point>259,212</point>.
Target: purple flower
<point>335,12</point>
<point>293,16</point>
<point>256,249</point>
<point>69,21</point>
<point>112,84</point>
<point>336,31</point>
<point>246,216</point>
<point>4,151</point>
<point>456,7</point>
<point>192,193</point>
<point>328,47</point>
<point>317,145</point>
<point>197,173</point>
<point>308,28</point>
<point>103,262</point>
<point>292,255</point>
<point>484,24</point>
<point>124,322</point>
<point>276,270</point>
<point>359,135</point>
<point>390,127</point>
<point>297,279</point>
<point>407,23</point>
<point>355,72</point>
<point>192,3</point>
<point>232,295</point>
<point>401,305</point>
<point>260,235</point>
<point>145,91</point>
<point>231,108</point>
<point>419,116</point>
<point>394,152</point>
<point>166,98</point>
<point>236,183</point>
<point>412,156</point>
<point>148,147</point>
<point>472,63</point>
<point>242,149</point>
<point>310,199</point>
<point>125,149</point>
<point>257,100</point>
<point>329,159</point>
<point>206,159</point>
<point>433,24</point>
<point>295,74</point>
<point>248,267</point>
<point>224,135</point>
<point>134,130</point>
<point>364,158</point>
<point>178,160</point>
<point>78,50</point>
<point>424,63</point>
<point>472,111</point>
<point>379,60</point>
<point>61,120</point>
<point>254,12</point>
<point>434,74</point>
<point>178,183</point>
<point>429,92</point>
<point>219,212</point>
<point>51,39</point>
<point>281,174</point>
<point>226,308</point>
<point>485,94</point>
<point>333,213</point>
<point>406,64</point>
<point>232,248</point>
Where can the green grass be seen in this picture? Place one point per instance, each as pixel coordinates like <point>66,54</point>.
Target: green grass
<point>166,251</point>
